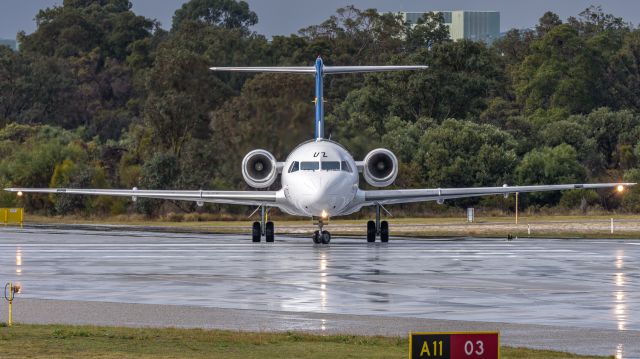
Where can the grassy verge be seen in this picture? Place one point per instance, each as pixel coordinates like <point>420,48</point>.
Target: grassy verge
<point>569,226</point>
<point>139,220</point>
<point>47,341</point>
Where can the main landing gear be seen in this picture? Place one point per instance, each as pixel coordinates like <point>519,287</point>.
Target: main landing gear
<point>378,228</point>
<point>263,228</point>
<point>321,236</point>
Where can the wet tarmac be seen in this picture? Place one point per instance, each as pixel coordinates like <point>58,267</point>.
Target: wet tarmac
<point>591,284</point>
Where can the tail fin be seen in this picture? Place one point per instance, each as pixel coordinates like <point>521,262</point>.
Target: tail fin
<point>319,70</point>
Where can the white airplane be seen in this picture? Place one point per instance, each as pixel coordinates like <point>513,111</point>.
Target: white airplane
<point>319,178</point>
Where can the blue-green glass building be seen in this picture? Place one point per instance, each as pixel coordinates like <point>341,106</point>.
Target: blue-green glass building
<point>463,24</point>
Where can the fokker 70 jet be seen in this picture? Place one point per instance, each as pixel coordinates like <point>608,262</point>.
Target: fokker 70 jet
<point>319,179</point>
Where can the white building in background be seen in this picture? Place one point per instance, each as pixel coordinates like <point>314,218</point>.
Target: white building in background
<point>471,25</point>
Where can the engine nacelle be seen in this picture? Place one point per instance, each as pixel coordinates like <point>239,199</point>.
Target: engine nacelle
<point>380,167</point>
<point>259,169</point>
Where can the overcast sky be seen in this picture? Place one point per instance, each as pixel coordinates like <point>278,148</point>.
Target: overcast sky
<point>283,17</point>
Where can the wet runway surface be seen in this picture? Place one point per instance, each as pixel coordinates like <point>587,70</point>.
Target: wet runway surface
<point>577,283</point>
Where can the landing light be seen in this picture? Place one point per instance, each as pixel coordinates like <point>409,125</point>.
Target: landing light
<point>620,188</point>
<point>324,214</point>
<point>19,193</point>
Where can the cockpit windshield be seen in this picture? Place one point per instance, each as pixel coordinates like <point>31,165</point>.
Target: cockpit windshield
<point>324,165</point>
<point>345,166</point>
<point>309,166</point>
<point>331,165</point>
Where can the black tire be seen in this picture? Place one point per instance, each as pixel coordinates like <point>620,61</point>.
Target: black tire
<point>326,237</point>
<point>269,232</point>
<point>256,233</point>
<point>316,237</point>
<point>384,231</point>
<point>371,231</point>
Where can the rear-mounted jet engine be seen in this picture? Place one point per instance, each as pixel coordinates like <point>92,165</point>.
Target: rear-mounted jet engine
<point>259,169</point>
<point>380,167</point>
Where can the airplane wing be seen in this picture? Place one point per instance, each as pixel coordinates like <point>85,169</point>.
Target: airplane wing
<point>441,194</point>
<point>252,198</point>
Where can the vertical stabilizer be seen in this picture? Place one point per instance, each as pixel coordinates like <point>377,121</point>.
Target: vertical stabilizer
<point>319,100</point>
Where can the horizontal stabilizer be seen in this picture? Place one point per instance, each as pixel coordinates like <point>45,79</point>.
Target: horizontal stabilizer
<point>328,70</point>
<point>355,69</point>
<point>290,69</point>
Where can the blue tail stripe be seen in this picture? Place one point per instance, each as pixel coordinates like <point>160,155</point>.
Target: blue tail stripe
<point>318,100</point>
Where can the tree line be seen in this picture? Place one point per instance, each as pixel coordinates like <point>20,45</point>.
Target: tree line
<point>98,96</point>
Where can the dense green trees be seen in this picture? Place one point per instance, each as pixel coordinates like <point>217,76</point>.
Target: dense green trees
<point>453,153</point>
<point>100,96</point>
<point>229,14</point>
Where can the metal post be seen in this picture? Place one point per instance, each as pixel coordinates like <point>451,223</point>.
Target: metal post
<point>377,219</point>
<point>516,207</point>
<point>10,299</point>
<point>611,225</point>
<point>263,219</point>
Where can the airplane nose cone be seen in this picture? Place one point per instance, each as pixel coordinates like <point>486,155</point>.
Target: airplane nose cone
<point>325,193</point>
<point>318,200</point>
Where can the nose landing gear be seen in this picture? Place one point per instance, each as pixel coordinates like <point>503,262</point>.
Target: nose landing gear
<point>378,228</point>
<point>321,236</point>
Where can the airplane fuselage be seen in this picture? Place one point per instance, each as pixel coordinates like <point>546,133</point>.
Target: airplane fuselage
<point>319,177</point>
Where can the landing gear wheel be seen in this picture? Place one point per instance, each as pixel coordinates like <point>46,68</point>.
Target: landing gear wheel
<point>371,231</point>
<point>316,237</point>
<point>269,232</point>
<point>326,237</point>
<point>256,233</point>
<point>384,231</point>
